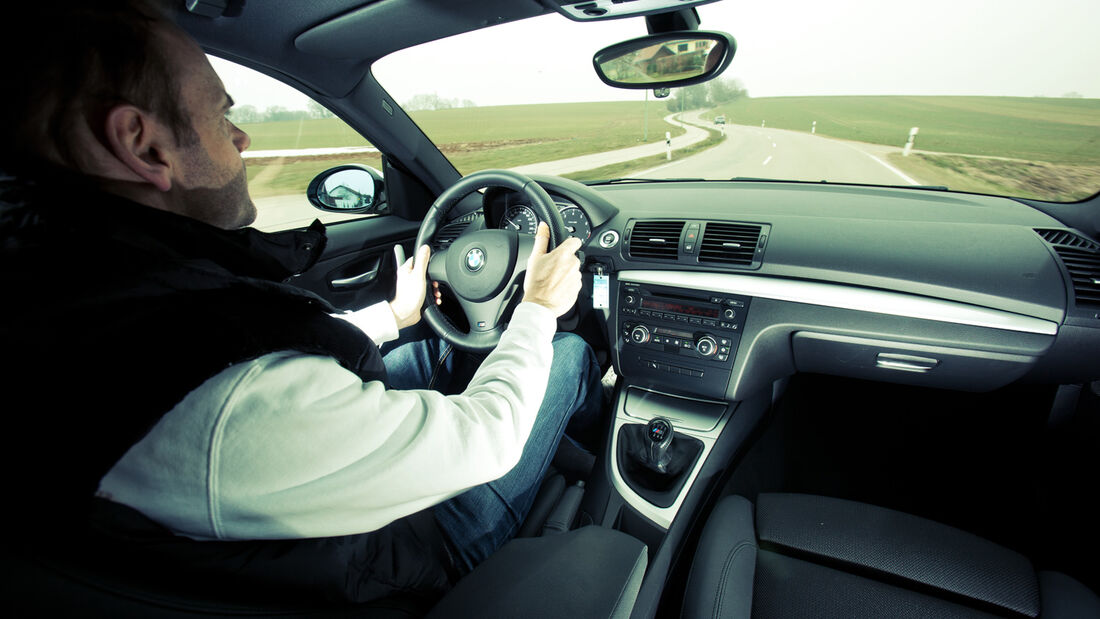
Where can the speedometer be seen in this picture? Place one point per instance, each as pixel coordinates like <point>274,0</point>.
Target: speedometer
<point>576,223</point>
<point>521,219</point>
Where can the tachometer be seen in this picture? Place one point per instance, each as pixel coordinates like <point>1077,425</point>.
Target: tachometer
<point>521,219</point>
<point>576,223</point>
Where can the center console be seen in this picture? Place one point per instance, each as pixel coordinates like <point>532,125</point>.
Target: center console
<point>676,349</point>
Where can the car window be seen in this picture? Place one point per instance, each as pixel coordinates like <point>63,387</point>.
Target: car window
<point>984,96</point>
<point>294,138</point>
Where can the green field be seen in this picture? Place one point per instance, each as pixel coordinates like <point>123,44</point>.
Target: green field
<point>471,138</point>
<point>1053,145</point>
<point>1063,131</point>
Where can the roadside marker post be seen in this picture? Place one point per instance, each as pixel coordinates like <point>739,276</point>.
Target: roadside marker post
<point>813,128</point>
<point>668,145</point>
<point>909,144</point>
<point>762,123</point>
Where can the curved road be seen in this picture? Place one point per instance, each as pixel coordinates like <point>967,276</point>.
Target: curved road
<point>758,152</point>
<point>692,135</point>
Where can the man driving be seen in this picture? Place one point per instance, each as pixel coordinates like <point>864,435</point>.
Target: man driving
<point>203,416</point>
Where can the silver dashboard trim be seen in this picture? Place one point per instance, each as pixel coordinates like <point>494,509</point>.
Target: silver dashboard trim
<point>845,297</point>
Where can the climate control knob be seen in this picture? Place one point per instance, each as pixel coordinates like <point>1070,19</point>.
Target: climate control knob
<point>639,334</point>
<point>706,346</point>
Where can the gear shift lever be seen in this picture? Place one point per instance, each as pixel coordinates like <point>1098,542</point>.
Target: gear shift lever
<point>659,431</point>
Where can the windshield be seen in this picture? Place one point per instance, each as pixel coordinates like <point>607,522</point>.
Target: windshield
<point>990,97</point>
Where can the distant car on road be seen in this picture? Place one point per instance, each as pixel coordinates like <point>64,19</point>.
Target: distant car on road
<point>719,120</point>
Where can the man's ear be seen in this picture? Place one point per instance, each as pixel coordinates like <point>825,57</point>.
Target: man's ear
<point>142,144</point>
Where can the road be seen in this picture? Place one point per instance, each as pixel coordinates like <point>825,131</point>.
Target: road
<point>692,135</point>
<point>761,152</point>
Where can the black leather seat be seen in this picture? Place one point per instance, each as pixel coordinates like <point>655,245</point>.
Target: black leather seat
<point>795,555</point>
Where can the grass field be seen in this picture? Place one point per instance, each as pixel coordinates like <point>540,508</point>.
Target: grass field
<point>1042,148</point>
<point>1036,129</point>
<point>471,138</point>
<point>1053,145</point>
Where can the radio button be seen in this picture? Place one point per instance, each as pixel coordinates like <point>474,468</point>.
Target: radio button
<point>729,314</point>
<point>695,321</point>
<point>710,323</point>
<point>716,299</point>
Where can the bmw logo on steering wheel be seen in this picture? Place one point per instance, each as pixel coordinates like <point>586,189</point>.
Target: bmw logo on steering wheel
<point>475,259</point>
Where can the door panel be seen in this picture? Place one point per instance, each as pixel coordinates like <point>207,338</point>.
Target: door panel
<point>358,266</point>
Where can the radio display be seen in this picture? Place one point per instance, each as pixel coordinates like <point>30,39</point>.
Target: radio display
<point>679,308</point>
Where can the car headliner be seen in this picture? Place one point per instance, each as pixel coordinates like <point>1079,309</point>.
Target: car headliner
<point>326,46</point>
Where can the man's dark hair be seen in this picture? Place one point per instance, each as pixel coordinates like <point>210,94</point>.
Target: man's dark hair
<point>68,60</point>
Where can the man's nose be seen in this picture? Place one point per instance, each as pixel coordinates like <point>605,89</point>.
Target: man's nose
<point>241,140</point>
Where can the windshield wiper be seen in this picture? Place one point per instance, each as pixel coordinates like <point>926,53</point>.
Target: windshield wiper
<point>613,181</point>
<point>825,182</point>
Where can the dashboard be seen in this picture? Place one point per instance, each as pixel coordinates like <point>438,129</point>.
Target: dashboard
<point>717,289</point>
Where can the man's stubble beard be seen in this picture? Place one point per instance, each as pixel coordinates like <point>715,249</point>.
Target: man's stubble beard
<point>228,207</point>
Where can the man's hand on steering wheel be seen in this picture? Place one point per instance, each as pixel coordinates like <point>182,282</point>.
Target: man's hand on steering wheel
<point>553,279</point>
<point>410,291</point>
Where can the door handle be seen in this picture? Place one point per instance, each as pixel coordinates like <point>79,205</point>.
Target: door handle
<point>358,280</point>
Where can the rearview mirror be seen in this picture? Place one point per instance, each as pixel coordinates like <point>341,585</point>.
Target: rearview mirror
<point>668,59</point>
<point>351,188</point>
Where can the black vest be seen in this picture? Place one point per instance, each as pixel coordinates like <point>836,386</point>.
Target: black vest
<point>113,312</point>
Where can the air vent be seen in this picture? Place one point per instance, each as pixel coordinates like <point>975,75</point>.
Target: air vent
<point>1082,259</point>
<point>1067,238</point>
<point>729,243</point>
<point>1084,269</point>
<point>656,240</point>
<point>453,230</point>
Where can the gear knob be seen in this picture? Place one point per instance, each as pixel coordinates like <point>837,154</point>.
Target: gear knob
<point>659,431</point>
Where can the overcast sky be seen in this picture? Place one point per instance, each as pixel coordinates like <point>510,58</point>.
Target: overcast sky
<point>785,47</point>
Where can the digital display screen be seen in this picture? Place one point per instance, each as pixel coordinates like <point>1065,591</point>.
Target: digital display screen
<point>679,308</point>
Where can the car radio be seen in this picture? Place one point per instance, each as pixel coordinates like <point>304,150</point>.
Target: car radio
<point>678,334</point>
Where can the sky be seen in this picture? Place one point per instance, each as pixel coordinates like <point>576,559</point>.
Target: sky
<point>785,48</point>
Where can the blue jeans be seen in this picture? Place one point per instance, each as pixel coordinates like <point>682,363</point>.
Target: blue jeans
<point>479,521</point>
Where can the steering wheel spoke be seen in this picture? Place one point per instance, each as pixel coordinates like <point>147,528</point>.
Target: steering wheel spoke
<point>437,266</point>
<point>486,316</point>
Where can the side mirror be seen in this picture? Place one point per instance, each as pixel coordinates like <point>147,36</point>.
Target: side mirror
<point>665,60</point>
<point>351,188</point>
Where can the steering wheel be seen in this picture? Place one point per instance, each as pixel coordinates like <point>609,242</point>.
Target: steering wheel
<point>483,268</point>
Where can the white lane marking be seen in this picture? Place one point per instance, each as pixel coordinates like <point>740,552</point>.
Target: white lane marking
<point>903,175</point>
<point>767,160</point>
<point>900,174</point>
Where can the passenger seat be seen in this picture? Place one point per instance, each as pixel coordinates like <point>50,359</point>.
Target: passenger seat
<point>798,555</point>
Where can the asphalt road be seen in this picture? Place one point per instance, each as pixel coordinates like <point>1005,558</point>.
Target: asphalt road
<point>761,152</point>
<point>692,135</point>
